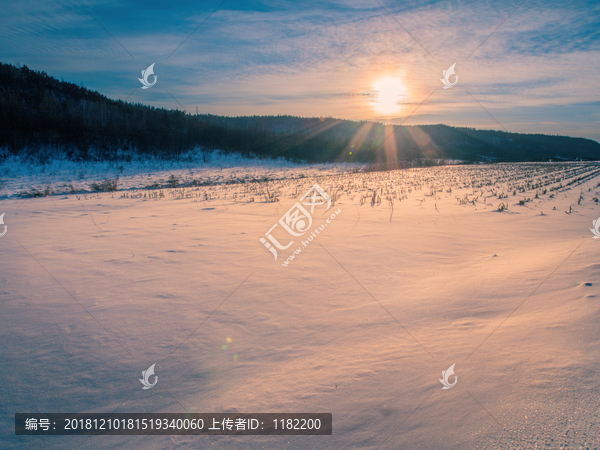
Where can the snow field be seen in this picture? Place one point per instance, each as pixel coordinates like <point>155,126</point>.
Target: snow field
<point>418,271</point>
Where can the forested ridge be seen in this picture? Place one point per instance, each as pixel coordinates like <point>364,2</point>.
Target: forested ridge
<point>42,117</point>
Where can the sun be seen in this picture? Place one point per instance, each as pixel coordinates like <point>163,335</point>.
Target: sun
<point>389,92</point>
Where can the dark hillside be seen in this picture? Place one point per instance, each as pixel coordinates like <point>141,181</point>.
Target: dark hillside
<point>41,117</point>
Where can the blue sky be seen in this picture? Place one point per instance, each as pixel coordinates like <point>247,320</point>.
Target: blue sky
<point>537,73</point>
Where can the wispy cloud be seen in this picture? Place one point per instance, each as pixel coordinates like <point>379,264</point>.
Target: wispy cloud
<point>311,58</point>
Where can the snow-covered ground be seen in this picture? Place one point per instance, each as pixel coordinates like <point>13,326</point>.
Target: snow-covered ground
<point>419,270</point>
<point>24,178</point>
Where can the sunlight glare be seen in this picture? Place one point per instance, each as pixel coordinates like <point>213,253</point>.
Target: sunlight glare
<point>389,90</point>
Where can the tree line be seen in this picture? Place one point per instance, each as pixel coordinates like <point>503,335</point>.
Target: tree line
<point>42,117</point>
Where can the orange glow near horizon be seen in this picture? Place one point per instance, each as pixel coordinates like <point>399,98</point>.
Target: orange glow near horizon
<point>390,91</point>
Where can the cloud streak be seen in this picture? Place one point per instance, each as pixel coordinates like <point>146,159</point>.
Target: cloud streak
<point>323,59</point>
